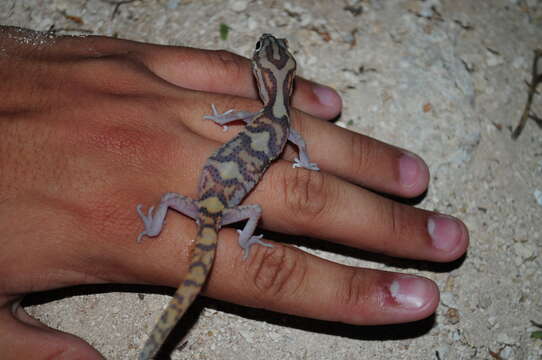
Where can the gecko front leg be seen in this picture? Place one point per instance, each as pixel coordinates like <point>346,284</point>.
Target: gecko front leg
<point>154,220</point>
<point>231,115</point>
<point>303,160</point>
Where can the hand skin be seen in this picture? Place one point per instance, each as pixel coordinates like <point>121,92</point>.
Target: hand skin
<point>90,127</point>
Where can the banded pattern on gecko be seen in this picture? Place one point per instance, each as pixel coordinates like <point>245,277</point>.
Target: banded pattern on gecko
<point>228,176</point>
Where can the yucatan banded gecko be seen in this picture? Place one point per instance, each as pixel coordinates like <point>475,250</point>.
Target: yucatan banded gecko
<point>228,175</point>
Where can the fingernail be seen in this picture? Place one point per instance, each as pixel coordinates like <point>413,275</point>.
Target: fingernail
<point>445,232</point>
<point>327,96</point>
<point>409,169</point>
<point>412,292</point>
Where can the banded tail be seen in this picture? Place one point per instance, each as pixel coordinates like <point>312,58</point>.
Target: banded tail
<point>200,265</point>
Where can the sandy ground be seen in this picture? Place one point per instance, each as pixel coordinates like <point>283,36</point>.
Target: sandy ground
<point>445,79</point>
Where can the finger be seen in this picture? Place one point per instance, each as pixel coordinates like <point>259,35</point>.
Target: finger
<point>349,155</point>
<point>301,202</point>
<point>361,159</point>
<point>317,204</point>
<point>227,73</point>
<point>288,280</point>
<point>22,337</point>
<point>216,71</point>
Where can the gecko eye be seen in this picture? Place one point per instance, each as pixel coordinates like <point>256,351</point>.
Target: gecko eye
<point>258,46</point>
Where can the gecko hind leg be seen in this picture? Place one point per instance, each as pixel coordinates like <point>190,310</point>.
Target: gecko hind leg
<point>229,116</point>
<point>246,236</point>
<point>154,220</point>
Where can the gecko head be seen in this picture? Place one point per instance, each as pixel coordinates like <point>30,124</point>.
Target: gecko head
<point>273,67</point>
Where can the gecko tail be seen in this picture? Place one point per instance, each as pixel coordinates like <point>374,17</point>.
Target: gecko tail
<point>200,266</point>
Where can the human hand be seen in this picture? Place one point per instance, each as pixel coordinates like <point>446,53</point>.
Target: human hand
<point>90,127</point>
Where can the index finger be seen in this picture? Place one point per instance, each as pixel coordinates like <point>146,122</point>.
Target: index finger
<point>223,72</point>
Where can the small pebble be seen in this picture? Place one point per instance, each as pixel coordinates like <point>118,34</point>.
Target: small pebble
<point>239,5</point>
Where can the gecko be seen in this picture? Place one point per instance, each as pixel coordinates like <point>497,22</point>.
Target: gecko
<point>228,175</point>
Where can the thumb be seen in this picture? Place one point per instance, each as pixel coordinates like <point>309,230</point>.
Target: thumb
<point>23,337</point>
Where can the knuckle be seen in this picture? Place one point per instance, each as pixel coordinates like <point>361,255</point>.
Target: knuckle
<point>395,219</point>
<point>398,229</point>
<point>117,75</point>
<point>277,272</point>
<point>227,63</point>
<point>305,195</point>
<point>354,289</point>
<point>122,138</point>
<point>393,214</point>
<point>362,151</point>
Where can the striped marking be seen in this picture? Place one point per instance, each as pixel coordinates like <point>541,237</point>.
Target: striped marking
<point>200,265</point>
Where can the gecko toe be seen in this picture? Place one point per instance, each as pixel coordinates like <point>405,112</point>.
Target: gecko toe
<point>253,240</point>
<point>140,236</point>
<point>306,165</point>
